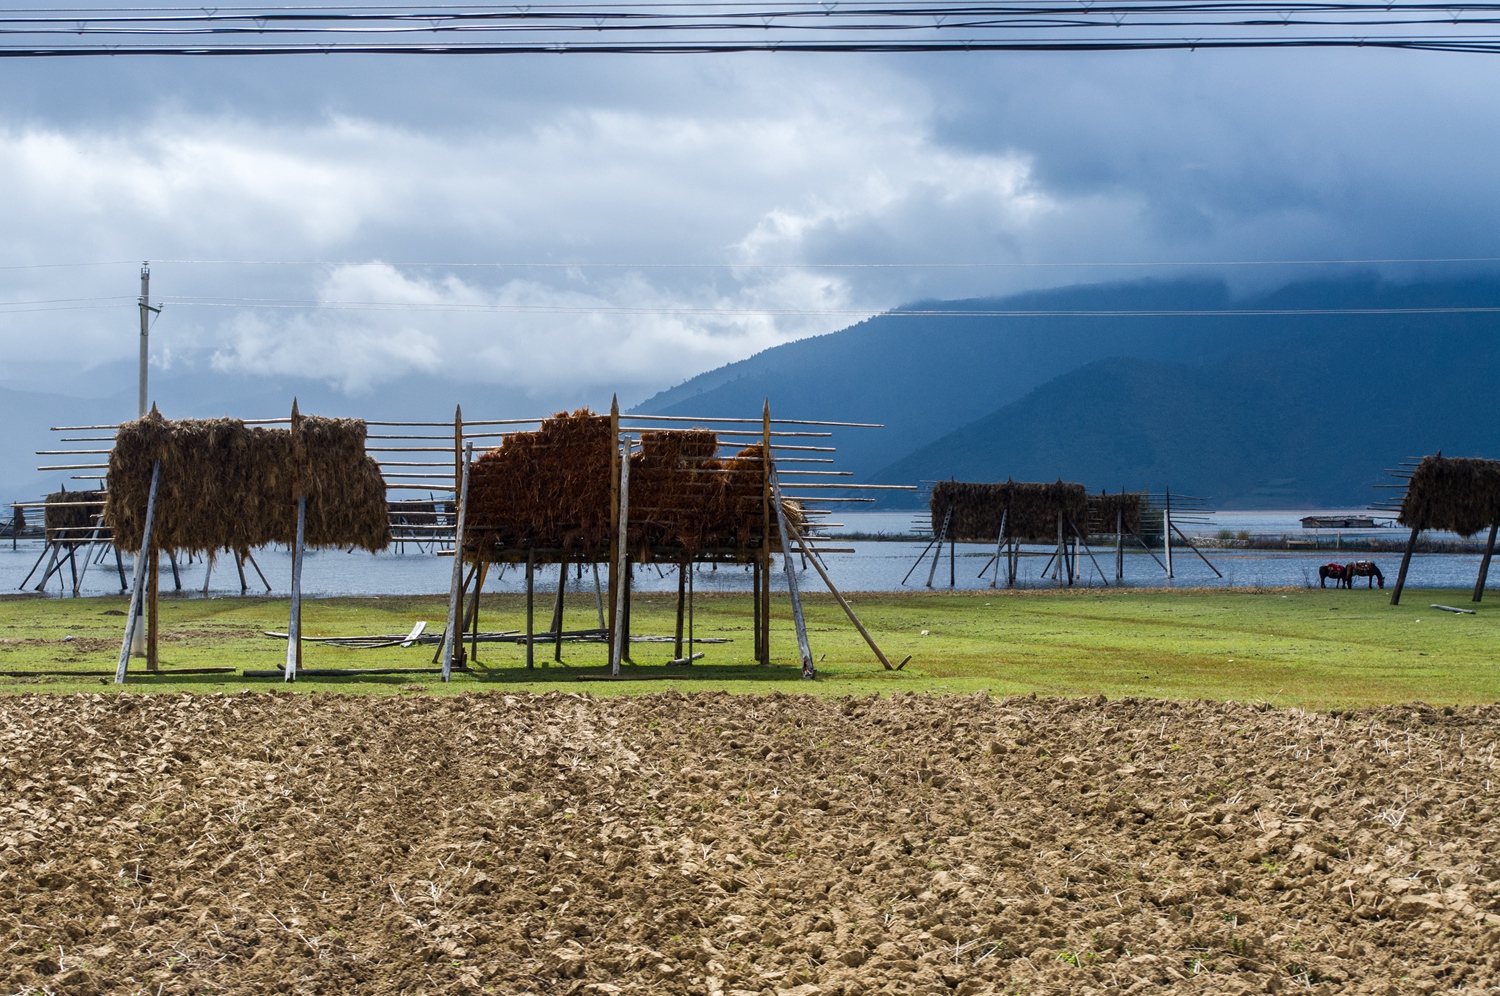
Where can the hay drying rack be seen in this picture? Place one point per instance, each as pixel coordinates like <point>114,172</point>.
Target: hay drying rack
<point>1454,494</point>
<point>406,452</point>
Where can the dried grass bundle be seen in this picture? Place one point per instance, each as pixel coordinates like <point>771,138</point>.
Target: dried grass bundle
<point>551,490</point>
<point>548,489</point>
<point>1106,511</point>
<point>229,486</point>
<point>1030,510</point>
<point>65,517</point>
<point>1456,494</point>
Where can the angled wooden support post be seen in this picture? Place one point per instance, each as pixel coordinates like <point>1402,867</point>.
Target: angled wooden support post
<point>133,619</point>
<point>1089,552</point>
<point>1411,545</point>
<point>808,671</point>
<point>1189,544</point>
<point>812,556</point>
<point>937,554</point>
<point>153,595</point>
<point>450,631</point>
<point>1484,563</point>
<point>557,609</point>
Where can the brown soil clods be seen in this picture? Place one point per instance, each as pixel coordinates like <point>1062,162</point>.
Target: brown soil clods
<point>730,845</point>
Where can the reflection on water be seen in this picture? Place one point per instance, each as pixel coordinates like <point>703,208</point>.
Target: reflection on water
<point>874,566</point>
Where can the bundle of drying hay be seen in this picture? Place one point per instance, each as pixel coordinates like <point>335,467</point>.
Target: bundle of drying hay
<point>1456,494</point>
<point>693,503</point>
<point>1029,510</point>
<point>548,489</point>
<point>1108,511</point>
<point>228,486</point>
<point>68,515</point>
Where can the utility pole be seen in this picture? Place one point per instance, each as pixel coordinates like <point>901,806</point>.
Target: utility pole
<point>146,312</point>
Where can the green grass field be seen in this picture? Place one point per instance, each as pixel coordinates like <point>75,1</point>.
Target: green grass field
<point>1315,648</point>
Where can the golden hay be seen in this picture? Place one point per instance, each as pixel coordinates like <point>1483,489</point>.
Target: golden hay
<point>550,490</point>
<point>66,517</point>
<point>1455,494</point>
<point>1030,510</point>
<point>229,486</point>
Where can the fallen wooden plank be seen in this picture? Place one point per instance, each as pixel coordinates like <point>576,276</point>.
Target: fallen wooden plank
<point>347,672</point>
<point>1449,608</point>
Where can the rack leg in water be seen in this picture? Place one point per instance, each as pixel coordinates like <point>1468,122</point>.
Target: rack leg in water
<point>1484,564</point>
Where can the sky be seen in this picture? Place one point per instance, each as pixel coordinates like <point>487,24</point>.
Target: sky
<point>657,216</point>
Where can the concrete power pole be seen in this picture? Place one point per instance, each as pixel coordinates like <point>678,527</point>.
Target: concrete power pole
<point>146,312</point>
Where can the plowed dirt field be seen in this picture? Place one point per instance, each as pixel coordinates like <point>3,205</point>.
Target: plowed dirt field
<point>711,844</point>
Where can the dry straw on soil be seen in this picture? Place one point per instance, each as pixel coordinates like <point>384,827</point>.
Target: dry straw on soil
<point>550,490</point>
<point>65,517</point>
<point>229,486</point>
<point>716,843</point>
<point>1030,510</point>
<point>1455,494</point>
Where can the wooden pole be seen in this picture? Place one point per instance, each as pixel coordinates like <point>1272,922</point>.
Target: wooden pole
<point>530,607</point>
<point>1120,541</point>
<point>294,626</point>
<point>120,566</point>
<point>999,548</point>
<point>808,671</point>
<point>557,609</point>
<point>755,605</point>
<point>618,544</point>
<point>1166,532</point>
<point>484,569</point>
<point>952,565</point>
<point>765,586</point>
<point>1085,546</point>
<point>1061,553</point>
<point>1411,544</point>
<point>1190,546</point>
<point>599,598</point>
<point>690,612</point>
<point>239,564</point>
<point>1484,564</point>
<point>176,577</point>
<point>682,568</point>
<point>848,609</point>
<point>133,619</point>
<point>259,573</point>
<point>153,620</point>
<point>629,597</point>
<point>615,542</point>
<point>450,630</point>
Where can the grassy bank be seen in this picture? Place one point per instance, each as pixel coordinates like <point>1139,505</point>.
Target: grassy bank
<point>1318,648</point>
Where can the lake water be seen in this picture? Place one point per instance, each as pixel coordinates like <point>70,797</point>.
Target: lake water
<point>874,566</point>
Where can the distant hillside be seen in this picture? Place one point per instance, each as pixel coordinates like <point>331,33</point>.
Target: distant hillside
<point>1248,409</point>
<point>1312,424</point>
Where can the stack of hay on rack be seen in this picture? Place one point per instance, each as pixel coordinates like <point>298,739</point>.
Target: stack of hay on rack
<point>70,516</point>
<point>1455,494</point>
<point>1109,511</point>
<point>1029,510</point>
<point>228,486</point>
<point>550,491</point>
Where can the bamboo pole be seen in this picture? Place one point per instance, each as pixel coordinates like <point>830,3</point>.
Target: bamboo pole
<point>132,620</point>
<point>450,631</point>
<point>808,671</point>
<point>1484,563</point>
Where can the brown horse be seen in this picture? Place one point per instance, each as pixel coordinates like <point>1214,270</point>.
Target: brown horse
<point>1340,574</point>
<point>1363,569</point>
